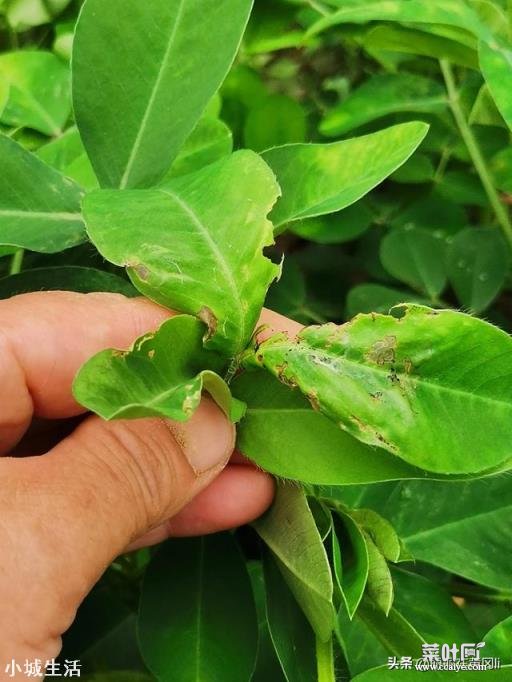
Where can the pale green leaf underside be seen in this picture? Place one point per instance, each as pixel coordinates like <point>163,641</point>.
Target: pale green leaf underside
<point>282,434</point>
<point>39,207</point>
<point>496,65</point>
<point>448,12</point>
<point>323,178</point>
<point>163,375</point>
<point>196,244</point>
<point>149,85</point>
<point>290,532</point>
<point>428,386</point>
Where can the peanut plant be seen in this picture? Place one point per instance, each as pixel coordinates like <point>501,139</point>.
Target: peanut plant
<point>347,163</point>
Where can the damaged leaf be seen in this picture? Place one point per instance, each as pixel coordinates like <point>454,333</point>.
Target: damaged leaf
<point>162,375</point>
<point>196,243</point>
<point>386,379</point>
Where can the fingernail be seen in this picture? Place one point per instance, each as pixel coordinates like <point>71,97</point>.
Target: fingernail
<point>207,439</point>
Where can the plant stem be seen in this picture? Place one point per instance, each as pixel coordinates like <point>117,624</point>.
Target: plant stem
<point>17,262</point>
<point>475,153</point>
<point>325,661</point>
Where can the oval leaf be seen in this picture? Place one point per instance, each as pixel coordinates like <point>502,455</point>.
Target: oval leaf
<point>429,386</point>
<point>478,263</point>
<point>148,98</point>
<point>290,532</point>
<point>202,251</point>
<point>323,178</point>
<point>282,434</point>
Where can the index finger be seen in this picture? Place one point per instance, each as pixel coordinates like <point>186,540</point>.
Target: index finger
<point>45,337</point>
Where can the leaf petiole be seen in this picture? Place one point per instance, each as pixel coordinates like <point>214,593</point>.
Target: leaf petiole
<point>325,661</point>
<point>17,262</point>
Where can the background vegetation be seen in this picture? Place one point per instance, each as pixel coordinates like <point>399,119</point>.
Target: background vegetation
<point>432,557</point>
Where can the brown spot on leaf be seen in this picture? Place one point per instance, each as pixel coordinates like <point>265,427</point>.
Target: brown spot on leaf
<point>383,351</point>
<point>207,316</point>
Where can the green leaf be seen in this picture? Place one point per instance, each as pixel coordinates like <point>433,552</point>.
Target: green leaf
<point>202,252</point>
<point>427,386</point>
<point>419,169</point>
<point>282,434</point>
<point>478,264</point>
<point>430,608</point>
<point>417,258</point>
<point>381,532</point>
<point>496,65</point>
<point>380,96</point>
<point>64,278</point>
<point>450,12</point>
<point>163,374</point>
<point>369,298</point>
<point>323,178</point>
<point>267,664</point>
<point>497,641</point>
<point>197,618</point>
<point>63,150</point>
<point>292,636</point>
<point>39,207</point>
<point>434,213</point>
<point>355,561</point>
<point>210,141</point>
<point>290,532</point>
<point>136,108</point>
<point>336,228</point>
<point>397,38</point>
<point>278,120</point>
<point>461,527</point>
<point>398,636</point>
<point>379,586</point>
<point>39,95</point>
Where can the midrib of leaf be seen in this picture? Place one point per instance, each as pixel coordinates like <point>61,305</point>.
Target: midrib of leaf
<point>436,529</point>
<point>199,618</point>
<point>228,275</point>
<point>152,98</point>
<point>58,215</point>
<point>306,349</point>
<point>295,573</point>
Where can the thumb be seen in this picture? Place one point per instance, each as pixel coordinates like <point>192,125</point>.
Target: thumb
<point>99,490</point>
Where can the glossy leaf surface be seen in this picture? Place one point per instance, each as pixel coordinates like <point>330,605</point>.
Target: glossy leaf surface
<point>202,251</point>
<point>385,378</point>
<point>158,88</point>
<point>39,207</point>
<point>323,178</point>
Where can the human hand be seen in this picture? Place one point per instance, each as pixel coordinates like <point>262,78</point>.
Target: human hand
<point>105,487</point>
